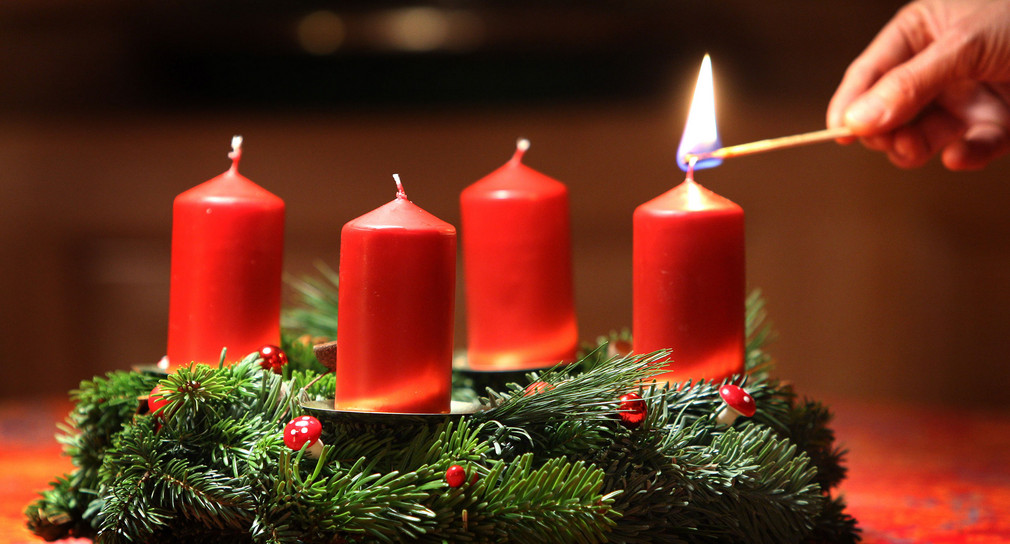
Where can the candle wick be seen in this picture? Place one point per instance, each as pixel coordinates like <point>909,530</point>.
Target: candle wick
<point>690,167</point>
<point>522,144</point>
<point>236,152</point>
<point>400,193</point>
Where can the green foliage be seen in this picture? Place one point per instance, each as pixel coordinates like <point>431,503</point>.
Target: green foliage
<point>834,525</point>
<point>103,406</point>
<point>808,428</point>
<point>553,464</point>
<point>758,333</point>
<point>301,358</point>
<point>574,414</point>
<point>315,312</point>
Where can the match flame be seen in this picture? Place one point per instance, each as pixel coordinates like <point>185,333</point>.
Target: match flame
<point>700,132</point>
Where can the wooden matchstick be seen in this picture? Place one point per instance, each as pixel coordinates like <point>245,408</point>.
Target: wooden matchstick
<point>761,146</point>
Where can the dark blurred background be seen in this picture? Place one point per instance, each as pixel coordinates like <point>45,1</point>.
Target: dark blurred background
<point>880,282</point>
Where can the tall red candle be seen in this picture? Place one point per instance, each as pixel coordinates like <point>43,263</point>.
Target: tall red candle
<point>227,258</point>
<point>518,269</point>
<point>688,288</point>
<point>395,310</point>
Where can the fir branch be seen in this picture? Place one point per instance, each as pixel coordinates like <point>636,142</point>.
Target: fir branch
<point>354,500</point>
<point>102,406</point>
<point>649,487</point>
<point>685,403</point>
<point>749,486</point>
<point>59,513</point>
<point>558,502</point>
<point>758,333</point>
<point>301,356</point>
<point>316,310</point>
<point>149,487</point>
<point>193,390</point>
<point>809,429</point>
<point>460,442</point>
<point>834,525</point>
<point>575,413</point>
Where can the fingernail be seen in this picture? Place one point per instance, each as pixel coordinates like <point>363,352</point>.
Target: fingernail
<point>865,112</point>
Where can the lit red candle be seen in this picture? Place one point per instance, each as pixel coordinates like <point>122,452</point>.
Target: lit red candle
<point>395,310</point>
<point>688,288</point>
<point>688,265</point>
<point>227,259</point>
<point>518,269</point>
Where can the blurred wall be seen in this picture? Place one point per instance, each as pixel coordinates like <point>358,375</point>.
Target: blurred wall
<point>880,282</point>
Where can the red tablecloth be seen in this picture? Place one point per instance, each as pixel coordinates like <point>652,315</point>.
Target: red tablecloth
<point>916,475</point>
<point>926,475</point>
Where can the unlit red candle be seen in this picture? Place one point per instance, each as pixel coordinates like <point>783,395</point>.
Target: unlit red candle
<point>688,287</point>
<point>395,310</point>
<point>227,260</point>
<point>518,269</point>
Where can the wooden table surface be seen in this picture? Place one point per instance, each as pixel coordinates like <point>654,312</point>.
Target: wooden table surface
<point>916,474</point>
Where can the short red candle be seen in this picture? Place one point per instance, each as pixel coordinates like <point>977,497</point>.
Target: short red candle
<point>518,269</point>
<point>395,310</point>
<point>689,283</point>
<point>227,259</point>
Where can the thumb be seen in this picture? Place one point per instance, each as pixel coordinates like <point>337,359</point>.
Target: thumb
<point>904,91</point>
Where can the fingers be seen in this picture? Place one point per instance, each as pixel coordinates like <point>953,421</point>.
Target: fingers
<point>879,142</point>
<point>899,95</point>
<point>962,146</point>
<point>898,41</point>
<point>981,145</point>
<point>985,111</point>
<point>933,81</point>
<point>914,144</point>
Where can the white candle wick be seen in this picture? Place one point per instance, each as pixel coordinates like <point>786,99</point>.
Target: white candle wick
<point>236,151</point>
<point>522,144</point>
<point>400,193</point>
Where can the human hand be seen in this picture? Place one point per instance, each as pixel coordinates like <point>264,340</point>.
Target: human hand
<point>936,79</point>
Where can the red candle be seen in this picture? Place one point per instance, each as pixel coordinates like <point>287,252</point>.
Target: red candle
<point>227,257</point>
<point>689,282</point>
<point>518,266</point>
<point>395,317</point>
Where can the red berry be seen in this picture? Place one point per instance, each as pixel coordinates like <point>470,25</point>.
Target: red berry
<point>156,401</point>
<point>302,430</point>
<point>632,410</point>
<point>272,358</point>
<point>455,476</point>
<point>537,387</point>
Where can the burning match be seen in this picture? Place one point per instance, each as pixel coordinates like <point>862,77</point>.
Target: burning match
<point>761,146</point>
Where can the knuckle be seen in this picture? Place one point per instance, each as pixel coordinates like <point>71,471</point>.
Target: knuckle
<point>972,53</point>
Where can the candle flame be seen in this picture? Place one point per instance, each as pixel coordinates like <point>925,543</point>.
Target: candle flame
<point>700,132</point>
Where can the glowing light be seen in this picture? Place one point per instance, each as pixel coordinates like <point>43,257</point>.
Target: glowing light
<point>700,131</point>
<point>422,29</point>
<point>321,32</point>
